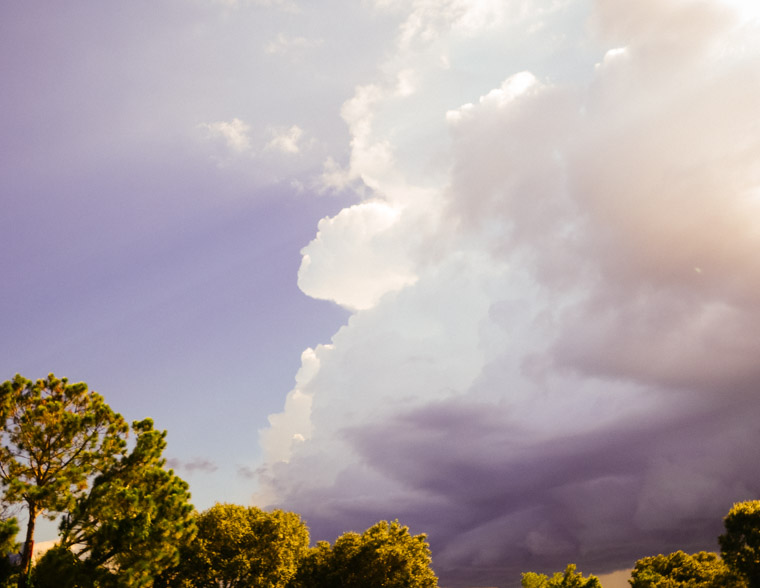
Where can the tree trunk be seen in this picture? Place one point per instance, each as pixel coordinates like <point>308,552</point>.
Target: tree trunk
<point>26,555</point>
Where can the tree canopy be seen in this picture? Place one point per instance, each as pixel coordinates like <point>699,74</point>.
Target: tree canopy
<point>129,527</point>
<point>8,531</point>
<point>681,570</point>
<point>238,546</point>
<point>567,579</point>
<point>740,544</point>
<point>386,555</point>
<point>55,436</point>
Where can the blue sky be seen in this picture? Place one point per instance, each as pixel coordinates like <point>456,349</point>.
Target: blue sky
<point>485,266</point>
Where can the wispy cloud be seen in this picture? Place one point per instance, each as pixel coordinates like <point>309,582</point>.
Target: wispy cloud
<point>198,464</point>
<point>286,44</point>
<point>286,5</point>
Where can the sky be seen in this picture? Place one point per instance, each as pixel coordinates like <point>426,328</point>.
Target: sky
<point>488,267</point>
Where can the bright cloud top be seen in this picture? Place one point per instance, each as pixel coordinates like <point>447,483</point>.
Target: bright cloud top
<point>356,277</point>
<point>553,354</point>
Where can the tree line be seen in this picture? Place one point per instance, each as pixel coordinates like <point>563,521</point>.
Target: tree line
<point>737,566</point>
<point>127,522</point>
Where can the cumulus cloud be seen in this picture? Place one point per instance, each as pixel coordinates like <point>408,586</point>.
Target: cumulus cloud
<point>286,140</point>
<point>552,355</point>
<point>235,134</point>
<point>426,20</point>
<point>293,425</point>
<point>356,277</point>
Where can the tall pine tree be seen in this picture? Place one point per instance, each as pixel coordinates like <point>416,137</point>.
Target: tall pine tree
<point>55,436</point>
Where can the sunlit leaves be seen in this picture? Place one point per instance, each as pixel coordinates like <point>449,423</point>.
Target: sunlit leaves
<point>567,579</point>
<point>681,570</point>
<point>238,547</point>
<point>130,525</point>
<point>386,555</point>
<point>55,437</point>
<point>740,544</point>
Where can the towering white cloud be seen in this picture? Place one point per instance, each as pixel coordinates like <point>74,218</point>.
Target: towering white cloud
<point>553,355</point>
<point>293,425</point>
<point>375,264</point>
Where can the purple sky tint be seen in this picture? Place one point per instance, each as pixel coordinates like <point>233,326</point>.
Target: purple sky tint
<point>507,252</point>
<point>138,253</point>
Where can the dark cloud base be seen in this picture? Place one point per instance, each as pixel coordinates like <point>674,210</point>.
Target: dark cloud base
<point>495,503</point>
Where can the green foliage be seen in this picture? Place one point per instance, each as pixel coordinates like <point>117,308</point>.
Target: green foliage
<point>8,531</point>
<point>681,570</point>
<point>239,546</point>
<point>386,555</point>
<point>740,544</point>
<point>59,567</point>
<point>315,568</point>
<point>128,528</point>
<point>534,580</point>
<point>567,579</point>
<point>55,436</point>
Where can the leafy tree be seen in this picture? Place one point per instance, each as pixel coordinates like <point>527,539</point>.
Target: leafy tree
<point>567,579</point>
<point>315,568</point>
<point>386,555</point>
<point>740,544</point>
<point>8,531</point>
<point>61,568</point>
<point>55,436</point>
<point>128,528</point>
<point>238,546</point>
<point>681,570</point>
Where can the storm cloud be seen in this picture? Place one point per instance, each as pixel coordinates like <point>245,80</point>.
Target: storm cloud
<point>552,355</point>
